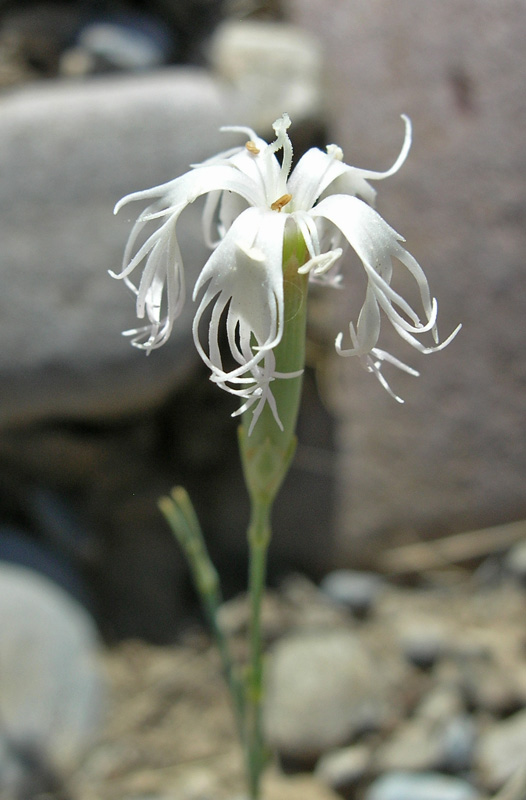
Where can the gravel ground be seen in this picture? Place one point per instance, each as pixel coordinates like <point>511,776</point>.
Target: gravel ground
<point>169,731</point>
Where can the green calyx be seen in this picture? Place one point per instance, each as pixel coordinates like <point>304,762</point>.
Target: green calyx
<point>267,453</point>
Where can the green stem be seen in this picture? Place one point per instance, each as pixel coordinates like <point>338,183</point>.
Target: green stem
<point>266,457</point>
<point>180,515</point>
<point>259,537</point>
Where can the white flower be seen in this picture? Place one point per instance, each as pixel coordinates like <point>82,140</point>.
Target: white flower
<point>253,199</point>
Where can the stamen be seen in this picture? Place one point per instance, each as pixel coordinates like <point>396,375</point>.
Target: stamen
<point>282,201</point>
<point>252,148</point>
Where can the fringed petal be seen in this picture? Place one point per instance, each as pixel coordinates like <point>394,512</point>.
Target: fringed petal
<point>188,187</point>
<point>340,178</point>
<point>314,172</point>
<point>404,152</point>
<point>376,243</point>
<point>243,278</point>
<point>365,336</point>
<point>373,363</point>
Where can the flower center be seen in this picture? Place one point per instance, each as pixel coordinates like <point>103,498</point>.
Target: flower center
<point>282,201</point>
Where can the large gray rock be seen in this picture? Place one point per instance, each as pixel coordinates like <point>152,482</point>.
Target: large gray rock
<point>68,152</point>
<point>451,458</point>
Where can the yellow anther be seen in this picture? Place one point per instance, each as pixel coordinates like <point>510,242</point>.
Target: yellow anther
<point>278,204</point>
<point>252,148</point>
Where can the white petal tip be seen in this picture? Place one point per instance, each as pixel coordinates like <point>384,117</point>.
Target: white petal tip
<point>443,344</point>
<point>408,128</point>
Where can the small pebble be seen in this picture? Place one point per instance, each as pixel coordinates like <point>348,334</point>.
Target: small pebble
<point>501,750</point>
<point>423,646</point>
<point>420,786</point>
<point>128,43</point>
<point>342,769</point>
<point>359,591</point>
<point>516,562</point>
<point>458,743</point>
<point>414,746</point>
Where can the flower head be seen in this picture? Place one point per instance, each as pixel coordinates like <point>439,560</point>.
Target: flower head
<point>253,202</point>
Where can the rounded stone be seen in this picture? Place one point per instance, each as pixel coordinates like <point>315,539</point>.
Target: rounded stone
<point>51,692</point>
<point>356,590</point>
<point>500,750</point>
<point>68,153</point>
<point>322,691</point>
<point>420,786</point>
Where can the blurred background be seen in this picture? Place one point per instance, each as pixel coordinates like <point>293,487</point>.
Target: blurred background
<point>98,99</point>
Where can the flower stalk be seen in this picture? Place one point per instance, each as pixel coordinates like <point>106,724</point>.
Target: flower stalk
<point>182,519</point>
<point>266,455</point>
